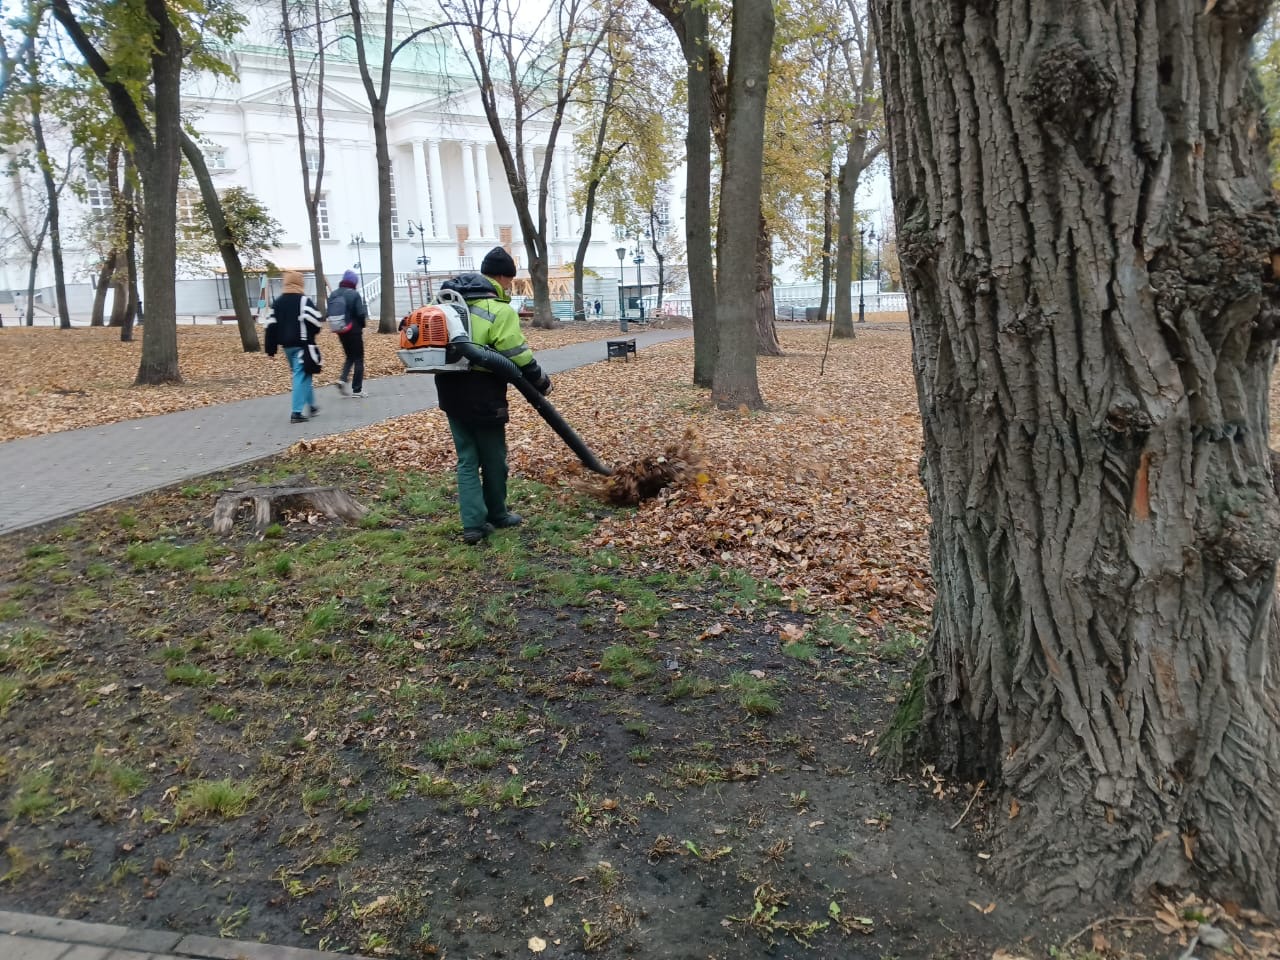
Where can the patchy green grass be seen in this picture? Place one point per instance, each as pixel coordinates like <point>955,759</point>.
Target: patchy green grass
<point>214,800</point>
<point>388,724</point>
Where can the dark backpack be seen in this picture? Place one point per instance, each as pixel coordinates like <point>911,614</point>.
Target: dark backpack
<point>338,312</point>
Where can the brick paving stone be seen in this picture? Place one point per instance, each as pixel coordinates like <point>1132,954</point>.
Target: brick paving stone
<point>84,951</point>
<point>77,931</point>
<point>27,948</point>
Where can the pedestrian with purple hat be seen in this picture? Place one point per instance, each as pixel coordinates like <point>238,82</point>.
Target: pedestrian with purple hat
<point>347,318</point>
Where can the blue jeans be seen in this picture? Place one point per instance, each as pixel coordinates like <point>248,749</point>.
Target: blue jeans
<point>304,393</point>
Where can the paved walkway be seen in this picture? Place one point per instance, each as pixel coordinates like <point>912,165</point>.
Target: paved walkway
<point>60,474</point>
<point>24,936</point>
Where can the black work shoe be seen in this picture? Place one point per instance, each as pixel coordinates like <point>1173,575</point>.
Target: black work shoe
<point>297,418</point>
<point>508,520</point>
<point>472,535</point>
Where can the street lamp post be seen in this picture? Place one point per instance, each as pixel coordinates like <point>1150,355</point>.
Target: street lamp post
<point>639,260</point>
<point>622,307</point>
<point>423,261</point>
<point>357,239</point>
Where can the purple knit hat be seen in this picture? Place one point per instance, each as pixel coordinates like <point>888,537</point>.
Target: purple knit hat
<point>350,278</point>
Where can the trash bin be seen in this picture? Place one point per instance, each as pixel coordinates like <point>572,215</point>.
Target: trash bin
<point>812,314</point>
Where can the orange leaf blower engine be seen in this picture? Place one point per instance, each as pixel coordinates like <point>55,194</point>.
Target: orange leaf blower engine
<point>428,336</point>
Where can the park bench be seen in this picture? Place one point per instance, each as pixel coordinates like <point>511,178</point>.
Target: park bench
<point>620,348</point>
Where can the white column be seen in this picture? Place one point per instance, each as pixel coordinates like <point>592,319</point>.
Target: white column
<point>575,220</point>
<point>562,197</point>
<point>439,206</point>
<point>532,173</point>
<point>486,195</point>
<point>469,189</point>
<point>421,188</point>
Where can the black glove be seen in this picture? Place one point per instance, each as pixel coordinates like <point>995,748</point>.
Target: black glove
<point>544,385</point>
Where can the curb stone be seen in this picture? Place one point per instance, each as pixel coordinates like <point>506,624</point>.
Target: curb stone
<point>25,936</point>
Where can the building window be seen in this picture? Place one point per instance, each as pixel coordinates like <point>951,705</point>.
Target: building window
<point>97,194</point>
<point>322,215</point>
<point>217,160</point>
<point>395,214</point>
<point>313,160</point>
<point>187,200</point>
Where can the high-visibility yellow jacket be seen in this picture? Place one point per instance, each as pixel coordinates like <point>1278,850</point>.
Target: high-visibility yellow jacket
<point>480,396</point>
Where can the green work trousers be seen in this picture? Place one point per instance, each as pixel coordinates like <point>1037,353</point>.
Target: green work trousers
<point>482,471</point>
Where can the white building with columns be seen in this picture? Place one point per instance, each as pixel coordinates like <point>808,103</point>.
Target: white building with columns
<point>450,200</point>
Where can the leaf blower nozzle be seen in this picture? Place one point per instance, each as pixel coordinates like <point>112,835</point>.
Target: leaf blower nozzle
<point>496,363</point>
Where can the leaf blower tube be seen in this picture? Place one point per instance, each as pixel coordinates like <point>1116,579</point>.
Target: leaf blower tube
<point>498,364</point>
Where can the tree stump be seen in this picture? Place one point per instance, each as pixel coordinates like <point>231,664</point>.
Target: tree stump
<point>292,493</point>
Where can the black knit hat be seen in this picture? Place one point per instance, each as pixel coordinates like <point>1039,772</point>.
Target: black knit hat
<point>498,263</point>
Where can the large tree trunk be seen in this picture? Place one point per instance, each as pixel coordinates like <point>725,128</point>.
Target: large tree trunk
<point>734,383</point>
<point>842,321</point>
<point>1086,230</point>
<point>159,169</point>
<point>698,197</point>
<point>705,96</point>
<point>226,246</point>
<point>767,344</point>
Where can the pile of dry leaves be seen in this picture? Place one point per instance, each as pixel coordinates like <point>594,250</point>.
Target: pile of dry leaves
<point>818,493</point>
<point>83,377</point>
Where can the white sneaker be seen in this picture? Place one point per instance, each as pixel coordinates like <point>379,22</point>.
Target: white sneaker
<point>343,388</point>
<point>361,394</point>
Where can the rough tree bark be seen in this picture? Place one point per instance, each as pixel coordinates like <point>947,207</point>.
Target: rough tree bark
<point>157,153</point>
<point>708,97</point>
<point>248,327</point>
<point>767,344</point>
<point>859,155</point>
<point>697,210</point>
<point>734,383</point>
<point>1087,231</point>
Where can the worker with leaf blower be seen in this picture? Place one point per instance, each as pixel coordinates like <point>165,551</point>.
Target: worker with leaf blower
<point>476,401</point>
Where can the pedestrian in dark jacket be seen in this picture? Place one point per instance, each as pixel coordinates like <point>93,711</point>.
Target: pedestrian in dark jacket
<point>347,318</point>
<point>476,401</point>
<point>296,321</point>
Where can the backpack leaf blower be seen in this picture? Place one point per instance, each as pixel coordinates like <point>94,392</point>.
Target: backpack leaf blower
<point>436,338</point>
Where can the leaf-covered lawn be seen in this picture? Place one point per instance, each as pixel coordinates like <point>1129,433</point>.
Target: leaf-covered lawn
<point>818,494</point>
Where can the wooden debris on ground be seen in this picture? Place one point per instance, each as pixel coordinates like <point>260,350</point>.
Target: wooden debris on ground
<point>271,502</point>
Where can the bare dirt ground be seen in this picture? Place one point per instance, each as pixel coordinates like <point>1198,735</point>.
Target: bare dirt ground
<point>645,732</point>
